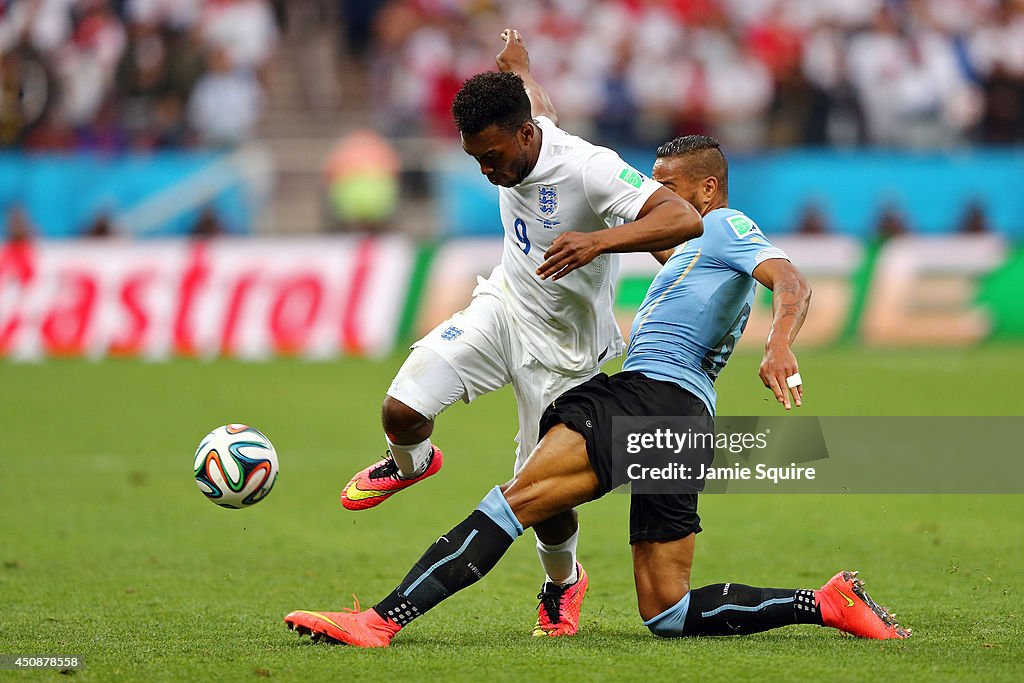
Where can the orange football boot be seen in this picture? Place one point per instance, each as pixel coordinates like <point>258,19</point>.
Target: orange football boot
<point>845,605</point>
<point>351,627</point>
<point>559,610</point>
<point>378,482</point>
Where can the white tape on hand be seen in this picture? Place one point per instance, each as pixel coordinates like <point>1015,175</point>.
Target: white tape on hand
<point>794,381</point>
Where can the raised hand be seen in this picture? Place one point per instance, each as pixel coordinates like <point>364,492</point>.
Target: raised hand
<point>513,57</point>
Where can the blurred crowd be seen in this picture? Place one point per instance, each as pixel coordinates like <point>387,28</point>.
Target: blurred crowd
<point>756,73</point>
<point>115,75</point>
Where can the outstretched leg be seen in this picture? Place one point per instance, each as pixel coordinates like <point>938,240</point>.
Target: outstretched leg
<point>556,478</point>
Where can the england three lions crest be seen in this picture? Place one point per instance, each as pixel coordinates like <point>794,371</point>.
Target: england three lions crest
<point>548,199</point>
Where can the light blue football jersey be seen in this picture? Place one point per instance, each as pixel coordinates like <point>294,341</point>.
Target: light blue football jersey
<point>698,305</point>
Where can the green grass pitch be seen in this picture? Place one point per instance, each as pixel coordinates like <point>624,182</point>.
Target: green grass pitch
<point>107,548</point>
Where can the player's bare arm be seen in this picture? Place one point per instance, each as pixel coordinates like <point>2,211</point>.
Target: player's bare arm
<point>664,222</point>
<point>515,58</point>
<point>664,255</point>
<point>791,296</point>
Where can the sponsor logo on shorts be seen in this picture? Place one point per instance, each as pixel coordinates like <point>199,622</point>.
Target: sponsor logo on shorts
<point>548,199</point>
<point>451,333</point>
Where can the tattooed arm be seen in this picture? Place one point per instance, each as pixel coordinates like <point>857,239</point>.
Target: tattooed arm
<point>791,296</point>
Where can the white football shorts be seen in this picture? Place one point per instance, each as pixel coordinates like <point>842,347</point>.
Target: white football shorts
<point>474,352</point>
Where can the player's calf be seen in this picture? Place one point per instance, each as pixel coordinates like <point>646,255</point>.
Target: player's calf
<point>735,609</point>
<point>732,609</point>
<point>455,561</point>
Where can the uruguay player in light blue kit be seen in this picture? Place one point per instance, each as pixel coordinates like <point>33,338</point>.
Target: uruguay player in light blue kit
<point>699,303</point>
<point>685,331</point>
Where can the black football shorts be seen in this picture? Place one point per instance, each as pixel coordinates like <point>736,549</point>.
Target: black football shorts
<point>589,409</point>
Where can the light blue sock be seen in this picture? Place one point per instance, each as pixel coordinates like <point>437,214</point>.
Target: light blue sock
<point>669,624</point>
<point>497,508</point>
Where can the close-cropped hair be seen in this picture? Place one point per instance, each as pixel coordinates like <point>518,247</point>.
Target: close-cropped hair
<point>703,154</point>
<point>491,98</point>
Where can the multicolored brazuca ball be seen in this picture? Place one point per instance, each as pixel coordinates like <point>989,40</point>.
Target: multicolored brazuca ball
<point>235,466</point>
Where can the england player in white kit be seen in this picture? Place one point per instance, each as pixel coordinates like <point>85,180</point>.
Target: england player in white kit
<point>543,321</point>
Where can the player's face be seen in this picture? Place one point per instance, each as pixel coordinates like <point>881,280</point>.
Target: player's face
<point>503,157</point>
<point>673,174</point>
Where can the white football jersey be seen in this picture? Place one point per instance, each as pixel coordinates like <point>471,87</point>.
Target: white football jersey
<point>568,324</point>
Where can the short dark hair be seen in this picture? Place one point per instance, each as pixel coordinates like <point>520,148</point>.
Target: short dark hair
<point>708,160</point>
<point>491,98</point>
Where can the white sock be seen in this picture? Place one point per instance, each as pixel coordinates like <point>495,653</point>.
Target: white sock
<point>559,561</point>
<point>412,459</point>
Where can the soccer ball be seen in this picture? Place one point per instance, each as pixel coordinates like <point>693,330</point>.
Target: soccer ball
<point>235,466</point>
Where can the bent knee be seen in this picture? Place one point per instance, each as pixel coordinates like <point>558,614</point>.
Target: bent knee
<point>528,503</point>
<point>517,502</point>
<point>657,592</point>
<point>399,418</point>
<point>671,622</point>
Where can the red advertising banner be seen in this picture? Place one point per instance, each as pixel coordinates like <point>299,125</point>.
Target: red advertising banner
<point>245,298</point>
